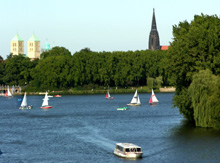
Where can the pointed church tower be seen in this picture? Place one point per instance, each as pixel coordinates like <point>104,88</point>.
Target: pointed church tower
<point>17,45</point>
<point>33,47</point>
<point>154,40</point>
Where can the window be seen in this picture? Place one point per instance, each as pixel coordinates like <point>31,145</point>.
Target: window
<point>127,150</point>
<point>139,149</point>
<point>119,148</point>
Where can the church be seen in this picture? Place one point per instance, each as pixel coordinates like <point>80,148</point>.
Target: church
<point>33,46</point>
<point>154,40</point>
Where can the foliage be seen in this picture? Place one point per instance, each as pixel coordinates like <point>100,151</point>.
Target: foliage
<point>58,69</point>
<point>52,73</point>
<point>56,51</point>
<point>17,70</point>
<point>205,94</point>
<point>196,46</point>
<point>1,70</point>
<point>117,68</point>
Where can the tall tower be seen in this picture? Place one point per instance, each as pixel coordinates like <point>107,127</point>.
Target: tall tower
<point>17,45</point>
<point>46,46</point>
<point>33,47</point>
<point>154,40</point>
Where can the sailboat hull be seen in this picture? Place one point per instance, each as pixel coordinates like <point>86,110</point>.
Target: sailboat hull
<point>154,103</point>
<point>46,107</point>
<point>134,104</point>
<point>26,107</point>
<point>109,98</point>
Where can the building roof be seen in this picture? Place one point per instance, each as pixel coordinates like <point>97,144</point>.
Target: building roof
<point>33,38</point>
<point>164,47</point>
<point>46,46</point>
<point>17,38</point>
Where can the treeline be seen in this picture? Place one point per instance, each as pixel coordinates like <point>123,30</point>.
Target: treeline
<point>58,69</point>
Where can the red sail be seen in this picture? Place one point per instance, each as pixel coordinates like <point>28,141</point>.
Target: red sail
<point>151,99</point>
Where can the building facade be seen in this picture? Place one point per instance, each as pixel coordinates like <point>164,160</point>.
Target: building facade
<point>154,40</point>
<point>33,50</point>
<point>17,45</point>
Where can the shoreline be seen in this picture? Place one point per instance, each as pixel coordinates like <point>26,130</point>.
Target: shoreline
<point>93,91</point>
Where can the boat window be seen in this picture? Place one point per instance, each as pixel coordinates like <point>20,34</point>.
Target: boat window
<point>127,150</point>
<point>138,149</point>
<point>119,148</point>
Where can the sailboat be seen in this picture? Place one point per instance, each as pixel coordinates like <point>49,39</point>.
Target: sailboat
<point>45,104</point>
<point>24,103</point>
<point>135,100</point>
<point>153,99</point>
<point>8,93</point>
<point>108,96</point>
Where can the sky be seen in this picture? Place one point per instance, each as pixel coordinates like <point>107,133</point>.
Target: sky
<point>101,25</point>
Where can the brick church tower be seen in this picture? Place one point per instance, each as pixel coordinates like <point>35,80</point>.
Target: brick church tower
<point>154,40</point>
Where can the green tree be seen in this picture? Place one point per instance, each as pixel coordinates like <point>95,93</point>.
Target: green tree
<point>2,63</point>
<point>56,51</point>
<point>205,94</point>
<point>195,47</point>
<point>17,70</point>
<point>52,73</point>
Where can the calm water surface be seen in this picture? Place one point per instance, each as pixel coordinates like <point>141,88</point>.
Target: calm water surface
<point>86,129</point>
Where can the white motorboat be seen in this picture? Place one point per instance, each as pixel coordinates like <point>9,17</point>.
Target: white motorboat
<point>128,150</point>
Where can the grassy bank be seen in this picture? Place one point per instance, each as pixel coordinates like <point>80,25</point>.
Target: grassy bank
<point>86,91</point>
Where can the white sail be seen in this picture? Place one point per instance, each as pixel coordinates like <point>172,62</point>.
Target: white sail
<point>45,100</point>
<point>8,92</point>
<point>135,100</point>
<point>138,101</point>
<point>24,101</point>
<point>108,95</point>
<point>154,98</point>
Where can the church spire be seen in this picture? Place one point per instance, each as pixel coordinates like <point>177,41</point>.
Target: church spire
<point>154,41</point>
<point>154,25</point>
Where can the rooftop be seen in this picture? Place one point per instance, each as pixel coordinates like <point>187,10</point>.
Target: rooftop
<point>17,38</point>
<point>164,47</point>
<point>128,145</point>
<point>33,38</point>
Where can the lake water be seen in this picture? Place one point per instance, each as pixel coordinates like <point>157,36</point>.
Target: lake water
<point>86,128</point>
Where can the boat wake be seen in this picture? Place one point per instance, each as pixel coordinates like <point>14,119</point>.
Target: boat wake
<point>90,134</point>
<point>94,136</point>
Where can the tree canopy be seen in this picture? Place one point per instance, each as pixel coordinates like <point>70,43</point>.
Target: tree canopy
<point>58,69</point>
<point>196,47</point>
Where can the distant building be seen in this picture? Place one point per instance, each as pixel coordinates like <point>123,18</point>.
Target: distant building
<point>33,48</point>
<point>164,47</point>
<point>17,45</point>
<point>46,46</point>
<point>154,40</point>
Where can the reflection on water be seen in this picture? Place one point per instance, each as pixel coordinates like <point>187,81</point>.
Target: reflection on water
<point>188,130</point>
<point>196,143</point>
